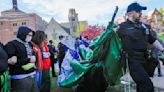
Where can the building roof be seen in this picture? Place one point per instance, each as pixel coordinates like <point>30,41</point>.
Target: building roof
<point>57,26</point>
<point>54,29</point>
<point>66,25</point>
<point>13,10</point>
<point>156,12</point>
<point>66,29</point>
<point>53,25</point>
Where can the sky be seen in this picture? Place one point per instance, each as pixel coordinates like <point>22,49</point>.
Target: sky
<point>94,11</point>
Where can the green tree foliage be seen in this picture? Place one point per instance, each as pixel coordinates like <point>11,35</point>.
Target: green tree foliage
<point>81,27</point>
<point>162,12</point>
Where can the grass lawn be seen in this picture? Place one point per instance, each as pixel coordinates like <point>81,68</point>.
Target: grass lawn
<point>55,88</point>
<point>161,36</point>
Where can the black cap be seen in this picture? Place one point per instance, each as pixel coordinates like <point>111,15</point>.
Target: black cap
<point>61,36</point>
<point>136,7</point>
<point>50,41</point>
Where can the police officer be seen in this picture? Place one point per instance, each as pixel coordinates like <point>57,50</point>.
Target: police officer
<point>134,36</point>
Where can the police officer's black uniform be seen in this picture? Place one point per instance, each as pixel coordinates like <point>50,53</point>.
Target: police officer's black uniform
<point>134,38</point>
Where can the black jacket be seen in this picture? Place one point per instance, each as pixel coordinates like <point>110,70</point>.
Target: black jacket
<point>17,48</point>
<point>135,36</point>
<point>3,60</point>
<point>52,51</point>
<point>62,48</point>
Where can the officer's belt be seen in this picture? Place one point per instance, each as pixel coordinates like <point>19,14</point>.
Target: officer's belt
<point>135,53</point>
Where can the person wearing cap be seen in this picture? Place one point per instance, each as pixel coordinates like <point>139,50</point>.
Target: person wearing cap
<point>61,51</point>
<point>134,37</point>
<point>61,37</point>
<point>53,56</point>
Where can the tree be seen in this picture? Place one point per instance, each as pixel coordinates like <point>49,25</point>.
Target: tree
<point>162,12</point>
<point>92,31</point>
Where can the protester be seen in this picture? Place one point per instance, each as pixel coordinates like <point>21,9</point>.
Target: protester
<point>23,71</point>
<point>46,84</point>
<point>61,50</point>
<point>4,82</point>
<point>53,56</point>
<point>37,41</point>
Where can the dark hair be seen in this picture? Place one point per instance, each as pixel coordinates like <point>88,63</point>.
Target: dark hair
<point>39,37</point>
<point>86,37</point>
<point>23,32</point>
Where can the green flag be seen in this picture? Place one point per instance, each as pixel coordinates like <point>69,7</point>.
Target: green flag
<point>104,49</point>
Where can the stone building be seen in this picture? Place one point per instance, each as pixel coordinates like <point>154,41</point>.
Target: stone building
<point>156,20</point>
<point>11,20</point>
<point>71,28</point>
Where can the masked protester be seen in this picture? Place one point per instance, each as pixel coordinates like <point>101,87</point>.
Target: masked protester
<point>22,72</point>
<point>134,37</point>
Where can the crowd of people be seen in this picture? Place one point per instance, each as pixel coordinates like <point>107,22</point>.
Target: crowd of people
<point>28,60</point>
<point>30,56</point>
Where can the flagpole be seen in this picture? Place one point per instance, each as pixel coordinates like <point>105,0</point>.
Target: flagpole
<point>113,17</point>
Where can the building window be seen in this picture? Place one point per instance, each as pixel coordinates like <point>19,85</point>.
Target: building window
<point>15,33</point>
<point>1,23</point>
<point>23,23</point>
<point>73,19</point>
<point>14,24</point>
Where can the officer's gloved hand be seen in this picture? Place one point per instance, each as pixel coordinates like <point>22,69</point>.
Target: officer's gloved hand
<point>161,56</point>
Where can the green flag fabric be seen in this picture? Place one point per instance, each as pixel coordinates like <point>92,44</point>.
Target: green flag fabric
<point>104,49</point>
<point>79,71</point>
<point>4,82</point>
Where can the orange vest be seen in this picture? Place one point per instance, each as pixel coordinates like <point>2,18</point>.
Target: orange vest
<point>39,62</point>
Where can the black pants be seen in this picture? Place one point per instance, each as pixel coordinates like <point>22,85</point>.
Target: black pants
<point>27,84</point>
<point>138,71</point>
<point>46,85</point>
<point>53,61</point>
<point>93,81</point>
<point>60,63</point>
<point>159,68</point>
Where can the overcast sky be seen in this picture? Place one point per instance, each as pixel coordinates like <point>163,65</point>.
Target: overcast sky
<point>94,11</point>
